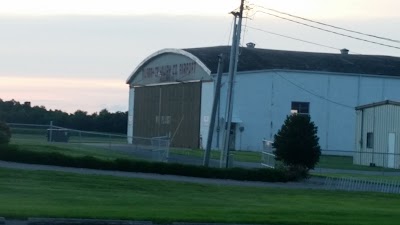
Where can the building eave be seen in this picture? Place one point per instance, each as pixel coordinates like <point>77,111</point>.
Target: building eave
<point>375,104</point>
<point>166,51</point>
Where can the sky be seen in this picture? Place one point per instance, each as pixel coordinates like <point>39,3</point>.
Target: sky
<point>77,54</point>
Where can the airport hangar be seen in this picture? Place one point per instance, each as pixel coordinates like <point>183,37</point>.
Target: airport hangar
<point>171,94</point>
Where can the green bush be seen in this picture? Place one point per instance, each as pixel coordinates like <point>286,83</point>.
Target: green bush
<point>5,133</point>
<point>13,153</point>
<point>296,145</point>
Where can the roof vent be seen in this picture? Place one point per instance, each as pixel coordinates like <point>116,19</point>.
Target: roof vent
<point>344,51</point>
<point>251,45</point>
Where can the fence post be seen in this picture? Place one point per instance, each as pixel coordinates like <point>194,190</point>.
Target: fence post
<point>383,163</point>
<point>80,138</point>
<point>109,141</point>
<point>51,132</point>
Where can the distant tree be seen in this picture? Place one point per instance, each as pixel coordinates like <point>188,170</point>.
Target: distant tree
<point>296,143</point>
<point>81,120</point>
<point>104,121</point>
<point>120,120</point>
<point>5,133</point>
<point>59,118</point>
<point>14,112</point>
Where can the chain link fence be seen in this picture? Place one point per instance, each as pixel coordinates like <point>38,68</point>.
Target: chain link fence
<point>349,170</point>
<point>342,160</point>
<point>158,149</point>
<point>153,149</point>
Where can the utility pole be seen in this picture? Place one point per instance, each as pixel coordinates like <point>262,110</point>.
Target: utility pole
<point>217,94</point>
<point>234,57</point>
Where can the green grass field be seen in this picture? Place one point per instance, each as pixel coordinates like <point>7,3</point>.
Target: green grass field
<point>73,138</point>
<point>243,156</point>
<point>54,194</point>
<point>73,149</point>
<point>346,163</point>
<point>326,161</point>
<point>77,150</point>
<point>38,143</point>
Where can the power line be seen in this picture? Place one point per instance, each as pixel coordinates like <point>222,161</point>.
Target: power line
<point>230,31</point>
<point>296,39</point>
<point>247,9</point>
<point>334,32</point>
<point>312,93</point>
<point>328,25</point>
<point>245,26</point>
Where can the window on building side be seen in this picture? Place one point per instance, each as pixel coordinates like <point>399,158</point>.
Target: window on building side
<point>370,140</point>
<point>300,107</point>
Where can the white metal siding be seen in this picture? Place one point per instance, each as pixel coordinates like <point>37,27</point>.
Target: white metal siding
<point>358,144</point>
<point>391,124</point>
<point>263,99</point>
<point>381,120</point>
<point>130,114</point>
<point>368,126</point>
<point>207,96</point>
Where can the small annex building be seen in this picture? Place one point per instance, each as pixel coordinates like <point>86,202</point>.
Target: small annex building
<point>171,94</point>
<point>377,134</point>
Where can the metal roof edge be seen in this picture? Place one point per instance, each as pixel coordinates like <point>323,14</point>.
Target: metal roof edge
<point>166,51</point>
<point>374,104</point>
<point>317,72</point>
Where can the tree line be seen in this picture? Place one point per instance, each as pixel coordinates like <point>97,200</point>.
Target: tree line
<point>15,112</point>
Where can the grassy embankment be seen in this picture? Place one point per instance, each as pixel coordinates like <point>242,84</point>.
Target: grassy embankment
<point>35,143</point>
<point>54,194</point>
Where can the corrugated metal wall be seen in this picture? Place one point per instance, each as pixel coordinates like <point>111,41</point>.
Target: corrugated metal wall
<point>380,120</point>
<point>359,140</point>
<point>172,110</point>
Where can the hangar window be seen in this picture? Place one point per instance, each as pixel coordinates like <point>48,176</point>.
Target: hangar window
<point>370,140</point>
<point>300,107</point>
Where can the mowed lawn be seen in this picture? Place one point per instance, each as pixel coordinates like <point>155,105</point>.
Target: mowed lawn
<point>54,194</point>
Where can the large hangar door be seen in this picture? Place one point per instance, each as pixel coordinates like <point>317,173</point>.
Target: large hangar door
<point>172,110</point>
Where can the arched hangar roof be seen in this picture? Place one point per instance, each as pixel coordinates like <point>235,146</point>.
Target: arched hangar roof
<point>168,51</point>
<point>253,59</point>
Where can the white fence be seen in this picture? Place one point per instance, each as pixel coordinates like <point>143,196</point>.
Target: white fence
<point>353,184</point>
<point>267,155</point>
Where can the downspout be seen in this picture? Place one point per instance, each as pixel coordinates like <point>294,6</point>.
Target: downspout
<point>361,141</point>
<point>373,138</point>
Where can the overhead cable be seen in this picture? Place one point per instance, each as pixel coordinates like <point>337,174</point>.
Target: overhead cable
<point>297,39</point>
<point>334,32</point>
<point>312,93</point>
<point>328,25</point>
